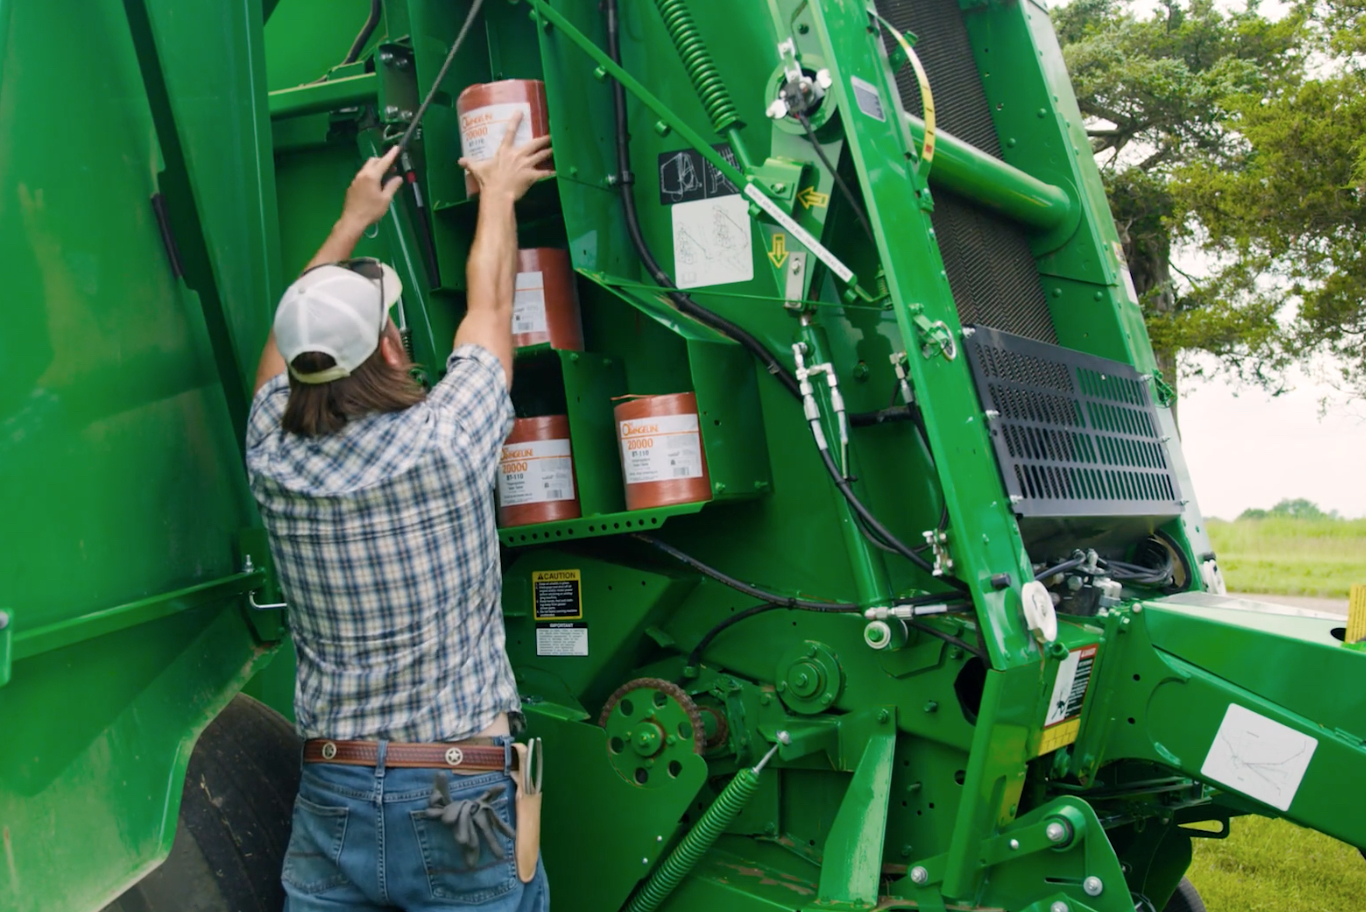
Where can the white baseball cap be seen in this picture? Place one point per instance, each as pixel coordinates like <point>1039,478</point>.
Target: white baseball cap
<point>338,309</point>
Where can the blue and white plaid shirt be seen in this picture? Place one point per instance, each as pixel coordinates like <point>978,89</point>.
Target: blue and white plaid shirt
<point>385,541</point>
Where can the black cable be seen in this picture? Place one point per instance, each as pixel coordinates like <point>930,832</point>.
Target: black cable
<point>783,601</point>
<point>440,75</point>
<point>950,639</point>
<point>365,32</point>
<point>876,527</point>
<point>1063,567</point>
<point>628,204</point>
<point>839,181</point>
<point>695,657</point>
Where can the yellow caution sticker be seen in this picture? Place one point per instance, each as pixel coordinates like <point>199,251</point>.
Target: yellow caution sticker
<point>1356,615</point>
<point>556,595</point>
<point>1062,721</point>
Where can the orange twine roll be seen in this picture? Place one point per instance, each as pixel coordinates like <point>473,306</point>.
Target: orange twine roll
<point>484,111</point>
<point>662,460</point>
<point>546,305</point>
<point>536,481</point>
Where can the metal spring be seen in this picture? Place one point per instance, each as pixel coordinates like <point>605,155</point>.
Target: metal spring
<point>706,831</point>
<point>706,79</point>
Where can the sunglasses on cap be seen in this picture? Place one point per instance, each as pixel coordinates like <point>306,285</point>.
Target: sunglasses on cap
<point>367,268</point>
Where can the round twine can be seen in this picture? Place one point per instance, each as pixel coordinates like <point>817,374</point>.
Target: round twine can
<point>662,460</point>
<point>536,481</point>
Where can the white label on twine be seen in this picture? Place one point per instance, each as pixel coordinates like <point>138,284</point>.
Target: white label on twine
<point>482,129</point>
<point>528,304</point>
<point>535,471</point>
<point>662,448</point>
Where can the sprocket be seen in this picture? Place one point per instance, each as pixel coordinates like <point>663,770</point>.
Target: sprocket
<point>649,722</point>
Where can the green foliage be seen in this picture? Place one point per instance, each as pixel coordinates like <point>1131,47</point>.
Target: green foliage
<point>1299,508</point>
<point>1284,555</point>
<point>1274,866</point>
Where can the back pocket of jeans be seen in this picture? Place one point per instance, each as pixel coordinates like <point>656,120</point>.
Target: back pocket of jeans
<point>312,862</point>
<point>451,878</point>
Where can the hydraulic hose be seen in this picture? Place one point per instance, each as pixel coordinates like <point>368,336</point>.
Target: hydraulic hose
<point>700,838</point>
<point>628,204</point>
<point>365,32</point>
<point>692,50</point>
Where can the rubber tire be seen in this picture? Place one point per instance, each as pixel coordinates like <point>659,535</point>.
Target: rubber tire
<point>234,821</point>
<point>1185,899</point>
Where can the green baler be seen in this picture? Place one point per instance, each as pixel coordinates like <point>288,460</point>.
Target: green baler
<point>948,632</point>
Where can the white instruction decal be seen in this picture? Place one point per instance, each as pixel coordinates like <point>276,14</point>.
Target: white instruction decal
<point>482,130</point>
<point>562,639</point>
<point>662,448</point>
<point>712,242</point>
<point>868,99</point>
<point>1069,690</point>
<point>528,304</point>
<point>535,471</point>
<point>1259,757</point>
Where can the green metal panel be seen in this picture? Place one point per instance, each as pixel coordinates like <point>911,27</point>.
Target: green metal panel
<point>119,468</point>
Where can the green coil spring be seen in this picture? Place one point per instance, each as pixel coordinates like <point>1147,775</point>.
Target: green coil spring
<point>706,79</point>
<point>706,831</point>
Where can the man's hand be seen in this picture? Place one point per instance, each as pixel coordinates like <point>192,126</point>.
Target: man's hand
<point>511,172</point>
<point>367,199</point>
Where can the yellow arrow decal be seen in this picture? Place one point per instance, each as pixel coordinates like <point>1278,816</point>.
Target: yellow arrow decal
<point>779,252</point>
<point>811,197</point>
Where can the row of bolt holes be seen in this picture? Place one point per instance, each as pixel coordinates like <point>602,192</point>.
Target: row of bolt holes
<point>1131,718</point>
<point>534,536</point>
<point>616,745</point>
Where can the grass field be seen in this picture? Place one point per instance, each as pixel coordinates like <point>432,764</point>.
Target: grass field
<point>1274,866</point>
<point>1320,557</point>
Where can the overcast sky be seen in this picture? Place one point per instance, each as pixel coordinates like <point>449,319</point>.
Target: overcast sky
<point>1249,450</point>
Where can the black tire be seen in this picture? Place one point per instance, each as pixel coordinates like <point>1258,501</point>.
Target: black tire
<point>234,822</point>
<point>1185,899</point>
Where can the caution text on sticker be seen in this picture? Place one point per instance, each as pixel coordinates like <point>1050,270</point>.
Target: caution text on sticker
<point>556,595</point>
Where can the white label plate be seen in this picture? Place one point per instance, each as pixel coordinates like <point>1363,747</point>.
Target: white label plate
<point>712,242</point>
<point>1259,757</point>
<point>562,639</point>
<point>663,448</point>
<point>535,471</point>
<point>482,130</point>
<point>528,304</point>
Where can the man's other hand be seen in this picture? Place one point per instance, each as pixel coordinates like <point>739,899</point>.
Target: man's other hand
<point>511,172</point>
<point>367,199</point>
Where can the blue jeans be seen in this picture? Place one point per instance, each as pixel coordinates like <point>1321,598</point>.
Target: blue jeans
<point>361,842</point>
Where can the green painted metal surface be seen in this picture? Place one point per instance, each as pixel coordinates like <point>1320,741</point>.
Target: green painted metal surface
<point>923,773</point>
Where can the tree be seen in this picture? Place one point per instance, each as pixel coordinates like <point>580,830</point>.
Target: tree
<point>1292,208</point>
<point>1299,508</point>
<point>1158,95</point>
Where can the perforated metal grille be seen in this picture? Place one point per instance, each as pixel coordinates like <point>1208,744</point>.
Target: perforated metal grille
<point>990,268</point>
<point>1075,435</point>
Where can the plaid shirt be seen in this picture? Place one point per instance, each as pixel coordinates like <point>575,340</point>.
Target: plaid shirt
<point>385,541</point>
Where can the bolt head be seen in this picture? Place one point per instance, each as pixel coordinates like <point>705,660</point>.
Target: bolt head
<point>1059,906</point>
<point>1014,845</point>
<point>919,875</point>
<point>645,861</point>
<point>1055,831</point>
<point>1093,886</point>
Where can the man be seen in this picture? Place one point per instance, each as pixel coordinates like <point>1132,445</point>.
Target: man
<point>379,506</point>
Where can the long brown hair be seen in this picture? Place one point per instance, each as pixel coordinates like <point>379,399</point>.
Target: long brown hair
<point>317,409</point>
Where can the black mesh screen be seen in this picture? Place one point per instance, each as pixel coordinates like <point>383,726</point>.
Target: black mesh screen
<point>991,270</point>
<point>1074,435</point>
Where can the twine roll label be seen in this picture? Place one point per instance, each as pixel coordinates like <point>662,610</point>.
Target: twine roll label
<point>528,304</point>
<point>482,129</point>
<point>535,471</point>
<point>661,448</point>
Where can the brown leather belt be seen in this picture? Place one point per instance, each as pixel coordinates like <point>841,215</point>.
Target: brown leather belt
<point>465,756</point>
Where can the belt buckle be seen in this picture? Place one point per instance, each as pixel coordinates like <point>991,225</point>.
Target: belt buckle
<point>329,750</point>
<point>454,756</point>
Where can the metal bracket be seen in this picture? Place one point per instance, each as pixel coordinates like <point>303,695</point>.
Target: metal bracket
<point>938,541</point>
<point>6,644</point>
<point>937,338</point>
<point>795,281</point>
